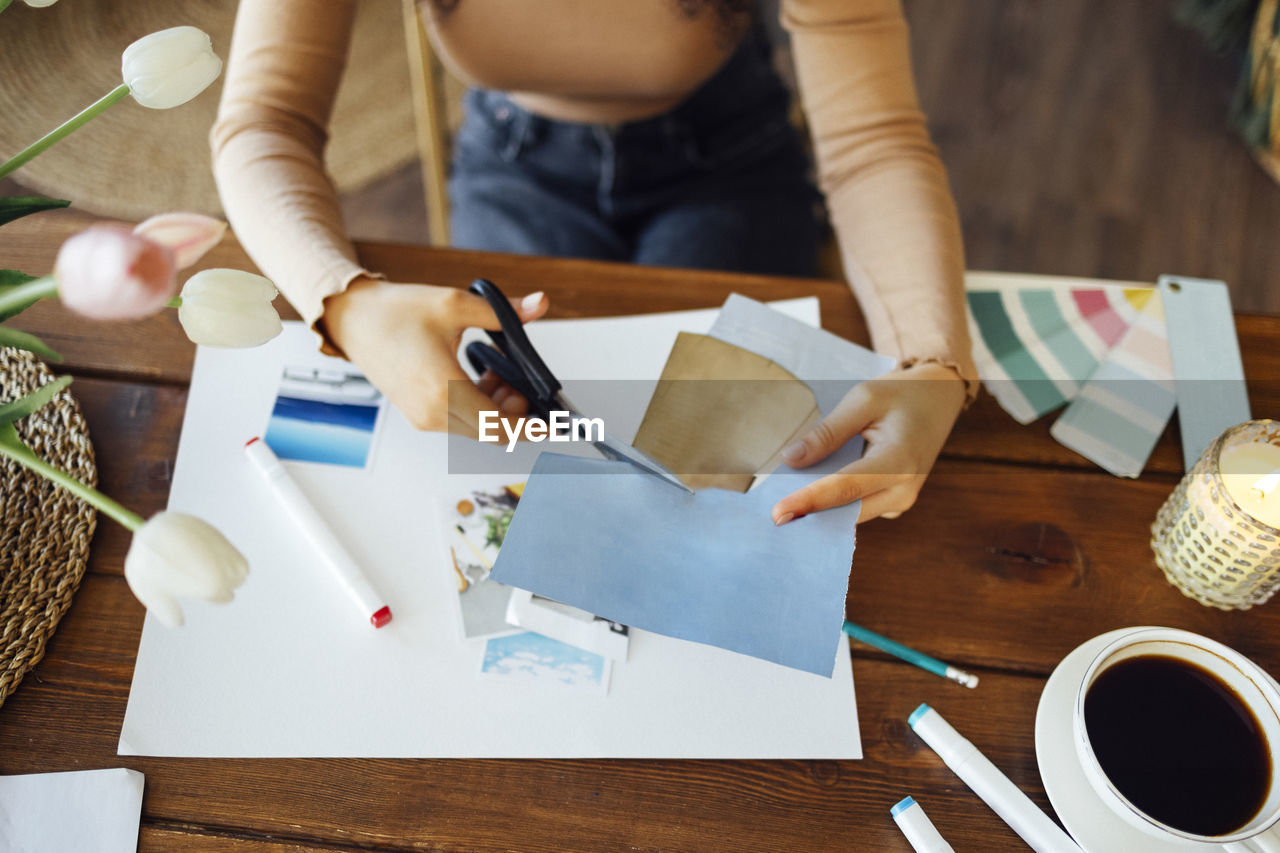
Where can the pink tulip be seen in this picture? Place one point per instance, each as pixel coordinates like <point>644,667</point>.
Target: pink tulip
<point>189,235</point>
<point>109,273</point>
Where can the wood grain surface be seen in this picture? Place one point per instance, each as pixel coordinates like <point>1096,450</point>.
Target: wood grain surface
<point>1016,552</point>
<point>69,717</point>
<point>155,350</point>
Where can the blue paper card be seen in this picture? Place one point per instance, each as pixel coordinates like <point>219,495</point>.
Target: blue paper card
<point>709,567</point>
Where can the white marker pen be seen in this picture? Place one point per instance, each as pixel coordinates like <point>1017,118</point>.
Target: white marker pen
<point>919,830</point>
<point>327,546</point>
<point>986,780</point>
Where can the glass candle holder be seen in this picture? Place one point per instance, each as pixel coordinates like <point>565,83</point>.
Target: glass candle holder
<point>1209,546</point>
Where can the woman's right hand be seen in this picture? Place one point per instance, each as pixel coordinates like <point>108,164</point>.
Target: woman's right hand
<point>405,338</point>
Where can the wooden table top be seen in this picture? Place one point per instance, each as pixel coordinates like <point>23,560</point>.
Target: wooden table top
<point>1017,551</point>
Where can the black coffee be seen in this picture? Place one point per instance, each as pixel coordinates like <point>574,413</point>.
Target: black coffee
<point>1178,743</point>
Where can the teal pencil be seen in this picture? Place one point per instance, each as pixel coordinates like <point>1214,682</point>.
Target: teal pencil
<point>910,655</point>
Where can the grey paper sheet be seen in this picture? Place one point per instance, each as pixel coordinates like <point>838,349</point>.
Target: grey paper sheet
<point>708,567</point>
<point>827,363</point>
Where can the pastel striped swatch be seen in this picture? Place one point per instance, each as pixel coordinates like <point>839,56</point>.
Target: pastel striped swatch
<point>1118,416</point>
<point>1043,342</point>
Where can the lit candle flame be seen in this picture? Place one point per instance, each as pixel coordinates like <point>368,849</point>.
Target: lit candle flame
<point>1267,484</point>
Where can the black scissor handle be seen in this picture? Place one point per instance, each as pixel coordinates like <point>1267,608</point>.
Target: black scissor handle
<point>515,344</point>
<point>484,357</point>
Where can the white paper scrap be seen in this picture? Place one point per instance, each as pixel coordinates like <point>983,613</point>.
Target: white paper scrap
<point>89,811</point>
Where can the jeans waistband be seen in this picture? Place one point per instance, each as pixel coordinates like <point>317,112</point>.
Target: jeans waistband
<point>744,94</point>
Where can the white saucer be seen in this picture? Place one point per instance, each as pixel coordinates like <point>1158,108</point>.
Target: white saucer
<point>1095,827</point>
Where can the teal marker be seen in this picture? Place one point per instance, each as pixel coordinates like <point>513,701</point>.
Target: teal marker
<point>910,655</point>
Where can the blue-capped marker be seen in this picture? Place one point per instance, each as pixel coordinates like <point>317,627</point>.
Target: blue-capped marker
<point>919,830</point>
<point>985,779</point>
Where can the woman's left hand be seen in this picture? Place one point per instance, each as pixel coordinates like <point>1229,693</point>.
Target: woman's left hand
<point>905,416</point>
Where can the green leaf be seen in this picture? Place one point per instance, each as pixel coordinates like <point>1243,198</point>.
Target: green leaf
<point>10,279</point>
<point>16,207</point>
<point>13,278</point>
<point>36,400</point>
<point>22,340</point>
<point>9,436</point>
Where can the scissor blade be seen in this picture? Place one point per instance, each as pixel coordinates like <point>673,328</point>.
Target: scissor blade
<point>615,449</point>
<point>612,448</point>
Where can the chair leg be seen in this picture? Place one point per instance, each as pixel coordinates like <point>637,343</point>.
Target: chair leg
<point>426,77</point>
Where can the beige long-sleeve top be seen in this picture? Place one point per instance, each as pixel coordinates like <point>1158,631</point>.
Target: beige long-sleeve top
<point>610,60</point>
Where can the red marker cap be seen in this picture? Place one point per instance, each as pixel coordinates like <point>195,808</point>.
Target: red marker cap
<point>381,618</point>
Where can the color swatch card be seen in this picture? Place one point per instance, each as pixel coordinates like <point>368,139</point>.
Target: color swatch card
<point>1119,414</point>
<point>1208,371</point>
<point>1037,339</point>
<point>1042,342</point>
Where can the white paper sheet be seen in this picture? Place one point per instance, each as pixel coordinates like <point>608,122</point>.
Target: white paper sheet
<point>288,669</point>
<point>88,811</point>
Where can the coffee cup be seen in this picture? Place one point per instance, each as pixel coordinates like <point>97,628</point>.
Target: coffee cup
<point>1162,716</point>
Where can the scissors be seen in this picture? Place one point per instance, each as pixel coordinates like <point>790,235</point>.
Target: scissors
<point>513,358</point>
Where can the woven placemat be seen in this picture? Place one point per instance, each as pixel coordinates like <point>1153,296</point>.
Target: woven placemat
<point>44,531</point>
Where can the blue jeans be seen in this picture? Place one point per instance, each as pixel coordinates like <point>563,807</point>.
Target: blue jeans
<point>720,182</point>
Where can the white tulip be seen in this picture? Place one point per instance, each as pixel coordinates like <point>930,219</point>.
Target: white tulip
<point>229,308</point>
<point>170,67</point>
<point>39,4</point>
<point>176,555</point>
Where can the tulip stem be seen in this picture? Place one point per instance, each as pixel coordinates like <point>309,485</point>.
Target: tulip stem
<point>24,295</point>
<point>4,4</point>
<point>67,127</point>
<point>12,446</point>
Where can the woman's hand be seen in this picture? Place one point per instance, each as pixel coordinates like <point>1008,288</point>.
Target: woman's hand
<point>405,338</point>
<point>905,417</point>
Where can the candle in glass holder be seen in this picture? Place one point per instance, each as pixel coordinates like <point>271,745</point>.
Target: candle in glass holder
<point>1217,537</point>
<point>1250,472</point>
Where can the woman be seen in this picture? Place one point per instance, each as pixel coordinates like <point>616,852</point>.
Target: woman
<point>642,130</point>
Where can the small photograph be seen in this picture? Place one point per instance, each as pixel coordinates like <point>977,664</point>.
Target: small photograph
<point>478,520</point>
<point>530,658</point>
<point>324,415</point>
